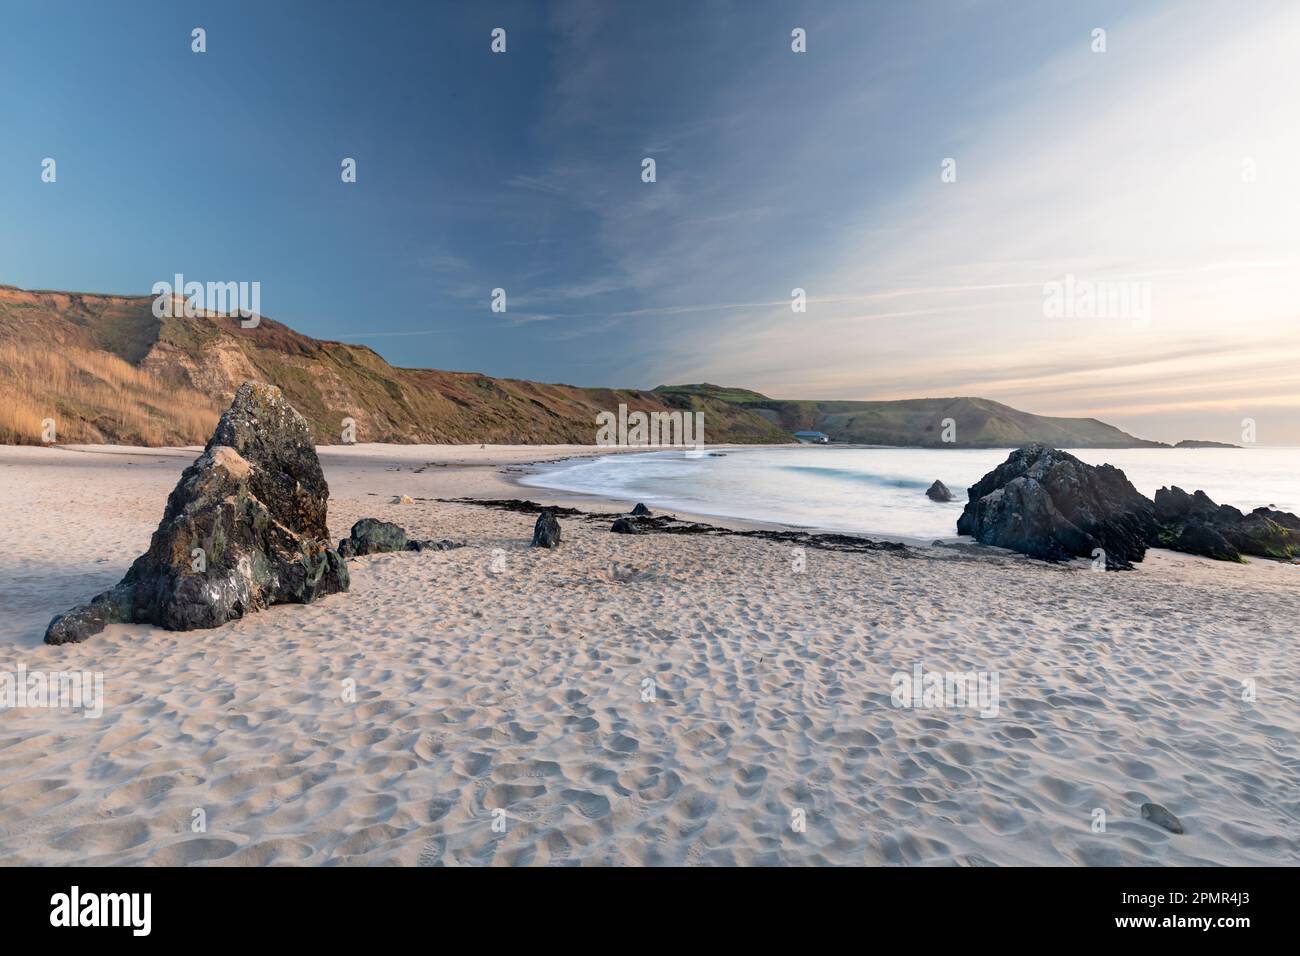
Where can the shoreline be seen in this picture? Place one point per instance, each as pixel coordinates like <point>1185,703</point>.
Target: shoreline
<point>498,470</point>
<point>501,479</point>
<point>573,498</point>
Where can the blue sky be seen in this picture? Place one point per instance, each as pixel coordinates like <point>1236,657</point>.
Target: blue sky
<point>775,170</point>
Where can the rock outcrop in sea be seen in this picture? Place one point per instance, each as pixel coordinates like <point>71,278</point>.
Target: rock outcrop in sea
<point>938,491</point>
<point>244,528</point>
<point>1195,524</point>
<point>1048,504</point>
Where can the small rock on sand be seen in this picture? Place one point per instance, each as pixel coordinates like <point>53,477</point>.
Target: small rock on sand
<point>546,533</point>
<point>427,544</point>
<point>372,536</point>
<point>1161,817</point>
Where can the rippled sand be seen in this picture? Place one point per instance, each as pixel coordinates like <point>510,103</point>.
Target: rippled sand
<point>396,723</point>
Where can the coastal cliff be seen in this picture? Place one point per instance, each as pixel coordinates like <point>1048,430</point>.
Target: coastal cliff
<point>105,369</point>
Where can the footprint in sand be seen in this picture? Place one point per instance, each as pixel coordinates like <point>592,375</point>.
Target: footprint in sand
<point>749,781</point>
<point>196,850</point>
<point>593,806</point>
<point>94,839</point>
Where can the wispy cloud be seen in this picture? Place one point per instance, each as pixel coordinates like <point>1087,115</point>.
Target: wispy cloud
<point>1128,166</point>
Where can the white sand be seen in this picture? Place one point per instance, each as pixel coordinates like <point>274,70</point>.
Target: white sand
<point>522,692</point>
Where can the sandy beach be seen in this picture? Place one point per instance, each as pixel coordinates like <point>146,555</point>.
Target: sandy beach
<point>650,699</point>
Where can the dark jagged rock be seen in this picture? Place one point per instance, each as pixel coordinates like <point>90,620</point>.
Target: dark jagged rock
<point>641,511</point>
<point>1174,504</point>
<point>372,536</point>
<point>546,533</point>
<point>1200,539</point>
<point>1048,504</point>
<point>74,626</point>
<point>1196,525</point>
<point>1161,817</point>
<point>626,525</point>
<point>243,529</point>
<point>446,544</point>
<point>938,491</point>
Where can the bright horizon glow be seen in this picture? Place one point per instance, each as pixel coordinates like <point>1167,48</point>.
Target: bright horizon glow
<point>1133,173</point>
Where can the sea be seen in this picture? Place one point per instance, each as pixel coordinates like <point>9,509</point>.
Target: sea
<point>881,491</point>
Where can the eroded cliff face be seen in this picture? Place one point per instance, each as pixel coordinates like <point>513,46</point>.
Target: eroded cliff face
<point>106,369</point>
<point>213,370</point>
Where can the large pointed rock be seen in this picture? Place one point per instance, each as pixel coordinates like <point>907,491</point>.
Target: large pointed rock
<point>1048,504</point>
<point>244,528</point>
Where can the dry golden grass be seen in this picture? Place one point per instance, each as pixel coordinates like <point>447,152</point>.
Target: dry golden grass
<point>95,397</point>
<point>20,419</point>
